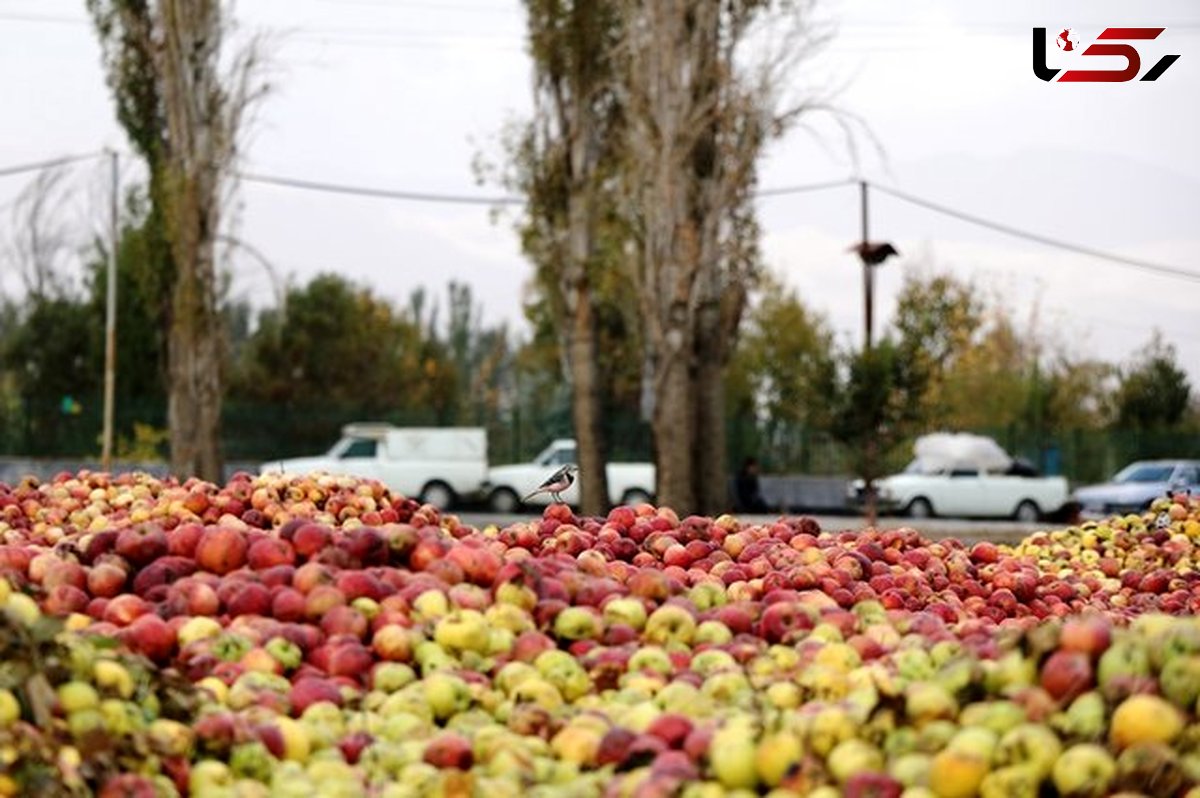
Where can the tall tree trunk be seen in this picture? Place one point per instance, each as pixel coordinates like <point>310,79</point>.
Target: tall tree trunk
<point>673,425</point>
<point>188,71</point>
<point>585,410</point>
<point>709,458</point>
<point>582,355</point>
<point>194,396</point>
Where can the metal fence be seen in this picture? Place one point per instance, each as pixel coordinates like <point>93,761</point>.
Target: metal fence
<point>256,432</point>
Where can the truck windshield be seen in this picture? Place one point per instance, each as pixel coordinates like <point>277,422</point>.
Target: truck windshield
<point>1145,472</point>
<point>359,447</point>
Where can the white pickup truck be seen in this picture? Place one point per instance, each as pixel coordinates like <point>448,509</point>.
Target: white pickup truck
<point>969,476</point>
<point>435,465</point>
<point>628,483</point>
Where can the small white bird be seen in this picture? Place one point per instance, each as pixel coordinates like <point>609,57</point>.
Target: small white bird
<point>556,483</point>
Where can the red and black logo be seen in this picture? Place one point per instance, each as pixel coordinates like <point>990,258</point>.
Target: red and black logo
<point>1110,43</point>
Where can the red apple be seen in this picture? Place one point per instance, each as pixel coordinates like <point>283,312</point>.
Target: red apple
<point>221,550</point>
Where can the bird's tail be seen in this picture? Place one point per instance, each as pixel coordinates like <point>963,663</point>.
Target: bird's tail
<point>531,495</point>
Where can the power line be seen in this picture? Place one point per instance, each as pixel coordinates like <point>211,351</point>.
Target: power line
<point>462,199</point>
<point>7,171</point>
<point>477,200</point>
<point>804,188</point>
<point>1121,260</point>
<point>50,18</point>
<point>381,193</point>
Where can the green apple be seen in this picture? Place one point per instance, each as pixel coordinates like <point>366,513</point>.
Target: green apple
<point>626,610</point>
<point>578,623</point>
<point>1087,717</point>
<point>170,737</point>
<point>74,696</point>
<point>1126,656</point>
<point>926,701</point>
<point>198,628</point>
<point>707,595</point>
<point>678,696</point>
<point>517,595</point>
<point>209,777</point>
<point>564,672</point>
<point>389,677</point>
<point>1180,679</point>
<point>653,658</point>
<point>711,660</point>
<point>670,623</point>
<point>538,691</point>
<point>732,755</point>
<point>430,605</point>
<point>712,632</point>
<point>462,630</point>
<point>1032,744</point>
<point>975,740</point>
<point>509,616</point>
<point>830,725</point>
<point>913,664</point>
<point>911,769</point>
<point>777,754</point>
<point>784,695</point>
<point>854,756</point>
<point>1013,781</point>
<point>10,708</point>
<point>728,687</point>
<point>111,675</point>
<point>446,694</point>
<point>1085,770</point>
<point>1010,671</point>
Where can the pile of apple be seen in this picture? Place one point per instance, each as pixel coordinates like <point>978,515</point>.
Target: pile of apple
<point>285,636</point>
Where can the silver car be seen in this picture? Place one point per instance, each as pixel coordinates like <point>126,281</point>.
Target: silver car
<point>1136,486</point>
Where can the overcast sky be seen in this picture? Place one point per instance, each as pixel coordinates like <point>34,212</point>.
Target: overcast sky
<point>403,94</point>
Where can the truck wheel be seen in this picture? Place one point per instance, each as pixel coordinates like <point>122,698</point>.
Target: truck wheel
<point>439,494</point>
<point>1027,512</point>
<point>635,496</point>
<point>920,508</point>
<point>504,500</point>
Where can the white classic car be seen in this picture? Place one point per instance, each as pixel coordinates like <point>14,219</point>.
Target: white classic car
<point>628,483</point>
<point>438,465</point>
<point>957,474</point>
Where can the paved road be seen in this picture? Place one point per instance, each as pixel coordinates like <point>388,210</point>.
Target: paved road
<point>967,531</point>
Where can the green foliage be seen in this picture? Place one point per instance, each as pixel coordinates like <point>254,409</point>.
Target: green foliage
<point>52,353</point>
<point>782,375</point>
<point>1155,392</point>
<point>339,343</point>
<point>143,299</point>
<point>878,404</point>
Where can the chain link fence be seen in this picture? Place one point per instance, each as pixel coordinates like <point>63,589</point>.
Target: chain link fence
<point>256,432</point>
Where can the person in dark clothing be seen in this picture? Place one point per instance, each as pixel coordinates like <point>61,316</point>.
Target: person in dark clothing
<point>749,494</point>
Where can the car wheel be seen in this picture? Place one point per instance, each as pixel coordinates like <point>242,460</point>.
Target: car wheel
<point>1027,512</point>
<point>504,500</point>
<point>920,508</point>
<point>635,496</point>
<point>439,494</point>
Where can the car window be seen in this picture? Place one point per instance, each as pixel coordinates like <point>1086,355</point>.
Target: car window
<point>1145,472</point>
<point>1188,475</point>
<point>563,456</point>
<point>360,447</point>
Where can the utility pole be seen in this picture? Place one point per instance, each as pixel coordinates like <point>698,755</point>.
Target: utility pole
<point>110,317</point>
<point>872,254</point>
<point>868,271</point>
